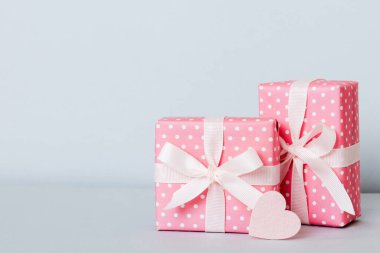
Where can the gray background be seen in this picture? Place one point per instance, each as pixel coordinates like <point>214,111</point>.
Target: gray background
<point>82,82</point>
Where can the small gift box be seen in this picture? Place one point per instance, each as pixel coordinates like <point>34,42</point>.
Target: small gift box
<point>209,172</point>
<point>319,133</point>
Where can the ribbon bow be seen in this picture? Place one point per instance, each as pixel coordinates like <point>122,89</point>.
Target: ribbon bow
<point>215,178</point>
<point>315,149</point>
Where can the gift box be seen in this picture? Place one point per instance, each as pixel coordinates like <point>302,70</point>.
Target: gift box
<point>209,172</point>
<point>321,171</point>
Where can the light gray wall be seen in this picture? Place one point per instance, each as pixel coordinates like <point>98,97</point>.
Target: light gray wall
<point>82,82</point>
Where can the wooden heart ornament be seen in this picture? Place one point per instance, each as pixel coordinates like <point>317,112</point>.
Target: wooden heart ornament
<point>270,220</point>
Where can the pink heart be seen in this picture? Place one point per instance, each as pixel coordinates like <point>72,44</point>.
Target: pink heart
<point>270,220</point>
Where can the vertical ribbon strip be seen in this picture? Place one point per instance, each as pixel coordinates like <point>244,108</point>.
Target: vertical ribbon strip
<point>215,201</point>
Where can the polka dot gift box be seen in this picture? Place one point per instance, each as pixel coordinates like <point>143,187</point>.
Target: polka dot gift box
<point>209,172</point>
<point>319,134</point>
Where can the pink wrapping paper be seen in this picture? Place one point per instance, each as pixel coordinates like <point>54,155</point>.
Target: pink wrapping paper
<point>335,104</point>
<point>239,134</point>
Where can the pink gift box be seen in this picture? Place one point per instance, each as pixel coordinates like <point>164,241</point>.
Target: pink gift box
<point>334,104</point>
<point>239,134</point>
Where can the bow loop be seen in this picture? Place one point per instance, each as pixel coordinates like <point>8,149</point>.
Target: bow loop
<point>242,164</point>
<point>180,161</point>
<point>324,143</point>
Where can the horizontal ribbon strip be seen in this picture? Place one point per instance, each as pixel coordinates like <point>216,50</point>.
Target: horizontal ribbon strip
<point>343,157</point>
<point>265,175</point>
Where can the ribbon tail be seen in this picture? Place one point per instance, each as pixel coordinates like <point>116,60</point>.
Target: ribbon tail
<point>215,209</point>
<point>333,185</point>
<point>238,188</point>
<point>188,192</point>
<point>298,195</point>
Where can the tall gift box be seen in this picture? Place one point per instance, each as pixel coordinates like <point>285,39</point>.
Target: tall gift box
<point>209,172</point>
<point>319,134</point>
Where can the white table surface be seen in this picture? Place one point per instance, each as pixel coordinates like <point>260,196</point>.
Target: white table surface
<point>70,219</point>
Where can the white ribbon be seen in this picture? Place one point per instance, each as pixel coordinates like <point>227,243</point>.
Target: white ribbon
<point>315,149</point>
<point>265,175</point>
<point>179,166</point>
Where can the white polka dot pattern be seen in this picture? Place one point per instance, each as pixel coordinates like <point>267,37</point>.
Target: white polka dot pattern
<point>239,135</point>
<point>335,104</point>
